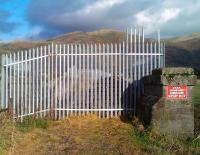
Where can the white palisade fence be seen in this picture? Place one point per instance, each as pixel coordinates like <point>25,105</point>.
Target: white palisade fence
<point>78,79</point>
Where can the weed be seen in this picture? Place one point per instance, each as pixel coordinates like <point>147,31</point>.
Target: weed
<point>30,122</point>
<point>195,143</point>
<point>41,123</point>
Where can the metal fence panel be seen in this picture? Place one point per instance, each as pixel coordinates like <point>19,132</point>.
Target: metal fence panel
<point>62,80</point>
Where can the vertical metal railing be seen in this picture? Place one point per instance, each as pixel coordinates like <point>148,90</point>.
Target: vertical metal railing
<point>102,79</point>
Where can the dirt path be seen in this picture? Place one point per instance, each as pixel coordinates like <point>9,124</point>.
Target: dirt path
<point>88,135</point>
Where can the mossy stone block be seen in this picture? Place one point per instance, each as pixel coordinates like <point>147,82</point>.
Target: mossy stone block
<point>173,71</point>
<point>169,116</point>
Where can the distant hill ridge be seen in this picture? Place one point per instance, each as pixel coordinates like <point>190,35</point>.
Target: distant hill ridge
<point>180,51</point>
<point>100,36</point>
<point>188,42</point>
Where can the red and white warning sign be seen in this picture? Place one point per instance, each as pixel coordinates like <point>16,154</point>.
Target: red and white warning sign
<point>176,92</point>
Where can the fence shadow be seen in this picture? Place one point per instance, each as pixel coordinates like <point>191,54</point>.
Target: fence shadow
<point>130,100</point>
<point>153,92</point>
<point>145,98</point>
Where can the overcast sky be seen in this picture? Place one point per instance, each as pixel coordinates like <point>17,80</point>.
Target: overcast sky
<point>41,19</point>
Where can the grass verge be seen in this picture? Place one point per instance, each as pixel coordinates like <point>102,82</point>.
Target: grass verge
<point>155,144</point>
<point>196,96</point>
<point>87,135</point>
<point>196,100</point>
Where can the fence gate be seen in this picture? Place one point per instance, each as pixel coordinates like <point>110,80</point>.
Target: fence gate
<point>77,79</point>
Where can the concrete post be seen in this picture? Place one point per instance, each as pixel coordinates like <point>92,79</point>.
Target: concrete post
<point>167,101</point>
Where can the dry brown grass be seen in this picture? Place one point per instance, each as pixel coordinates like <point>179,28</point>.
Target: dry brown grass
<point>8,134</point>
<point>86,135</point>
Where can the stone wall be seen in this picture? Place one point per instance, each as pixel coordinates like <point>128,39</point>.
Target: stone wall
<point>166,114</point>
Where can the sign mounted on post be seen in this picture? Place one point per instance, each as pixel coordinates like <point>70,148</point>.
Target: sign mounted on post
<point>176,92</point>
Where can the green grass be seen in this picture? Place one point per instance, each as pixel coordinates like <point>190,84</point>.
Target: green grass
<point>196,101</point>
<point>196,96</point>
<point>154,143</point>
<point>29,123</point>
<point>194,143</point>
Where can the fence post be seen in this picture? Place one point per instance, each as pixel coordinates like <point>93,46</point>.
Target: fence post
<point>29,82</point>
<point>68,80</point>
<point>18,86</point>
<point>159,50</point>
<point>116,79</point>
<point>120,79</point>
<point>88,78</point>
<point>25,84</point>
<point>79,65</point>
<point>56,82</point>
<point>49,79</point>
<point>95,78</point>
<point>64,84</point>
<point>99,79</point>
<point>91,81</point>
<point>107,82</point>
<point>60,82</point>
<point>75,79</point>
<point>104,80</point>
<point>84,80</point>
<point>22,89</point>
<point>14,87</point>
<point>52,105</point>
<point>2,105</point>
<point>131,70</point>
<point>33,83</point>
<point>45,81</point>
<point>135,70</point>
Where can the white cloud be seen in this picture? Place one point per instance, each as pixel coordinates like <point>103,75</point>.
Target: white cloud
<point>169,14</point>
<point>95,8</point>
<point>99,5</point>
<point>152,20</point>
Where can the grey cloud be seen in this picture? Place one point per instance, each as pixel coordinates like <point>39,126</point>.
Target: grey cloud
<point>61,16</point>
<point>40,11</point>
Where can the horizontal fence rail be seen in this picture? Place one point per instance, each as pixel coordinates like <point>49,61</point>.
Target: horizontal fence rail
<point>60,80</point>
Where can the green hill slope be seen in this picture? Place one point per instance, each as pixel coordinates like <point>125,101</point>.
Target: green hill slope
<point>180,51</point>
<point>183,51</point>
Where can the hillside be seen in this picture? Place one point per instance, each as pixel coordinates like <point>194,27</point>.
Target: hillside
<point>188,42</point>
<point>180,51</point>
<point>101,36</point>
<point>183,51</point>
